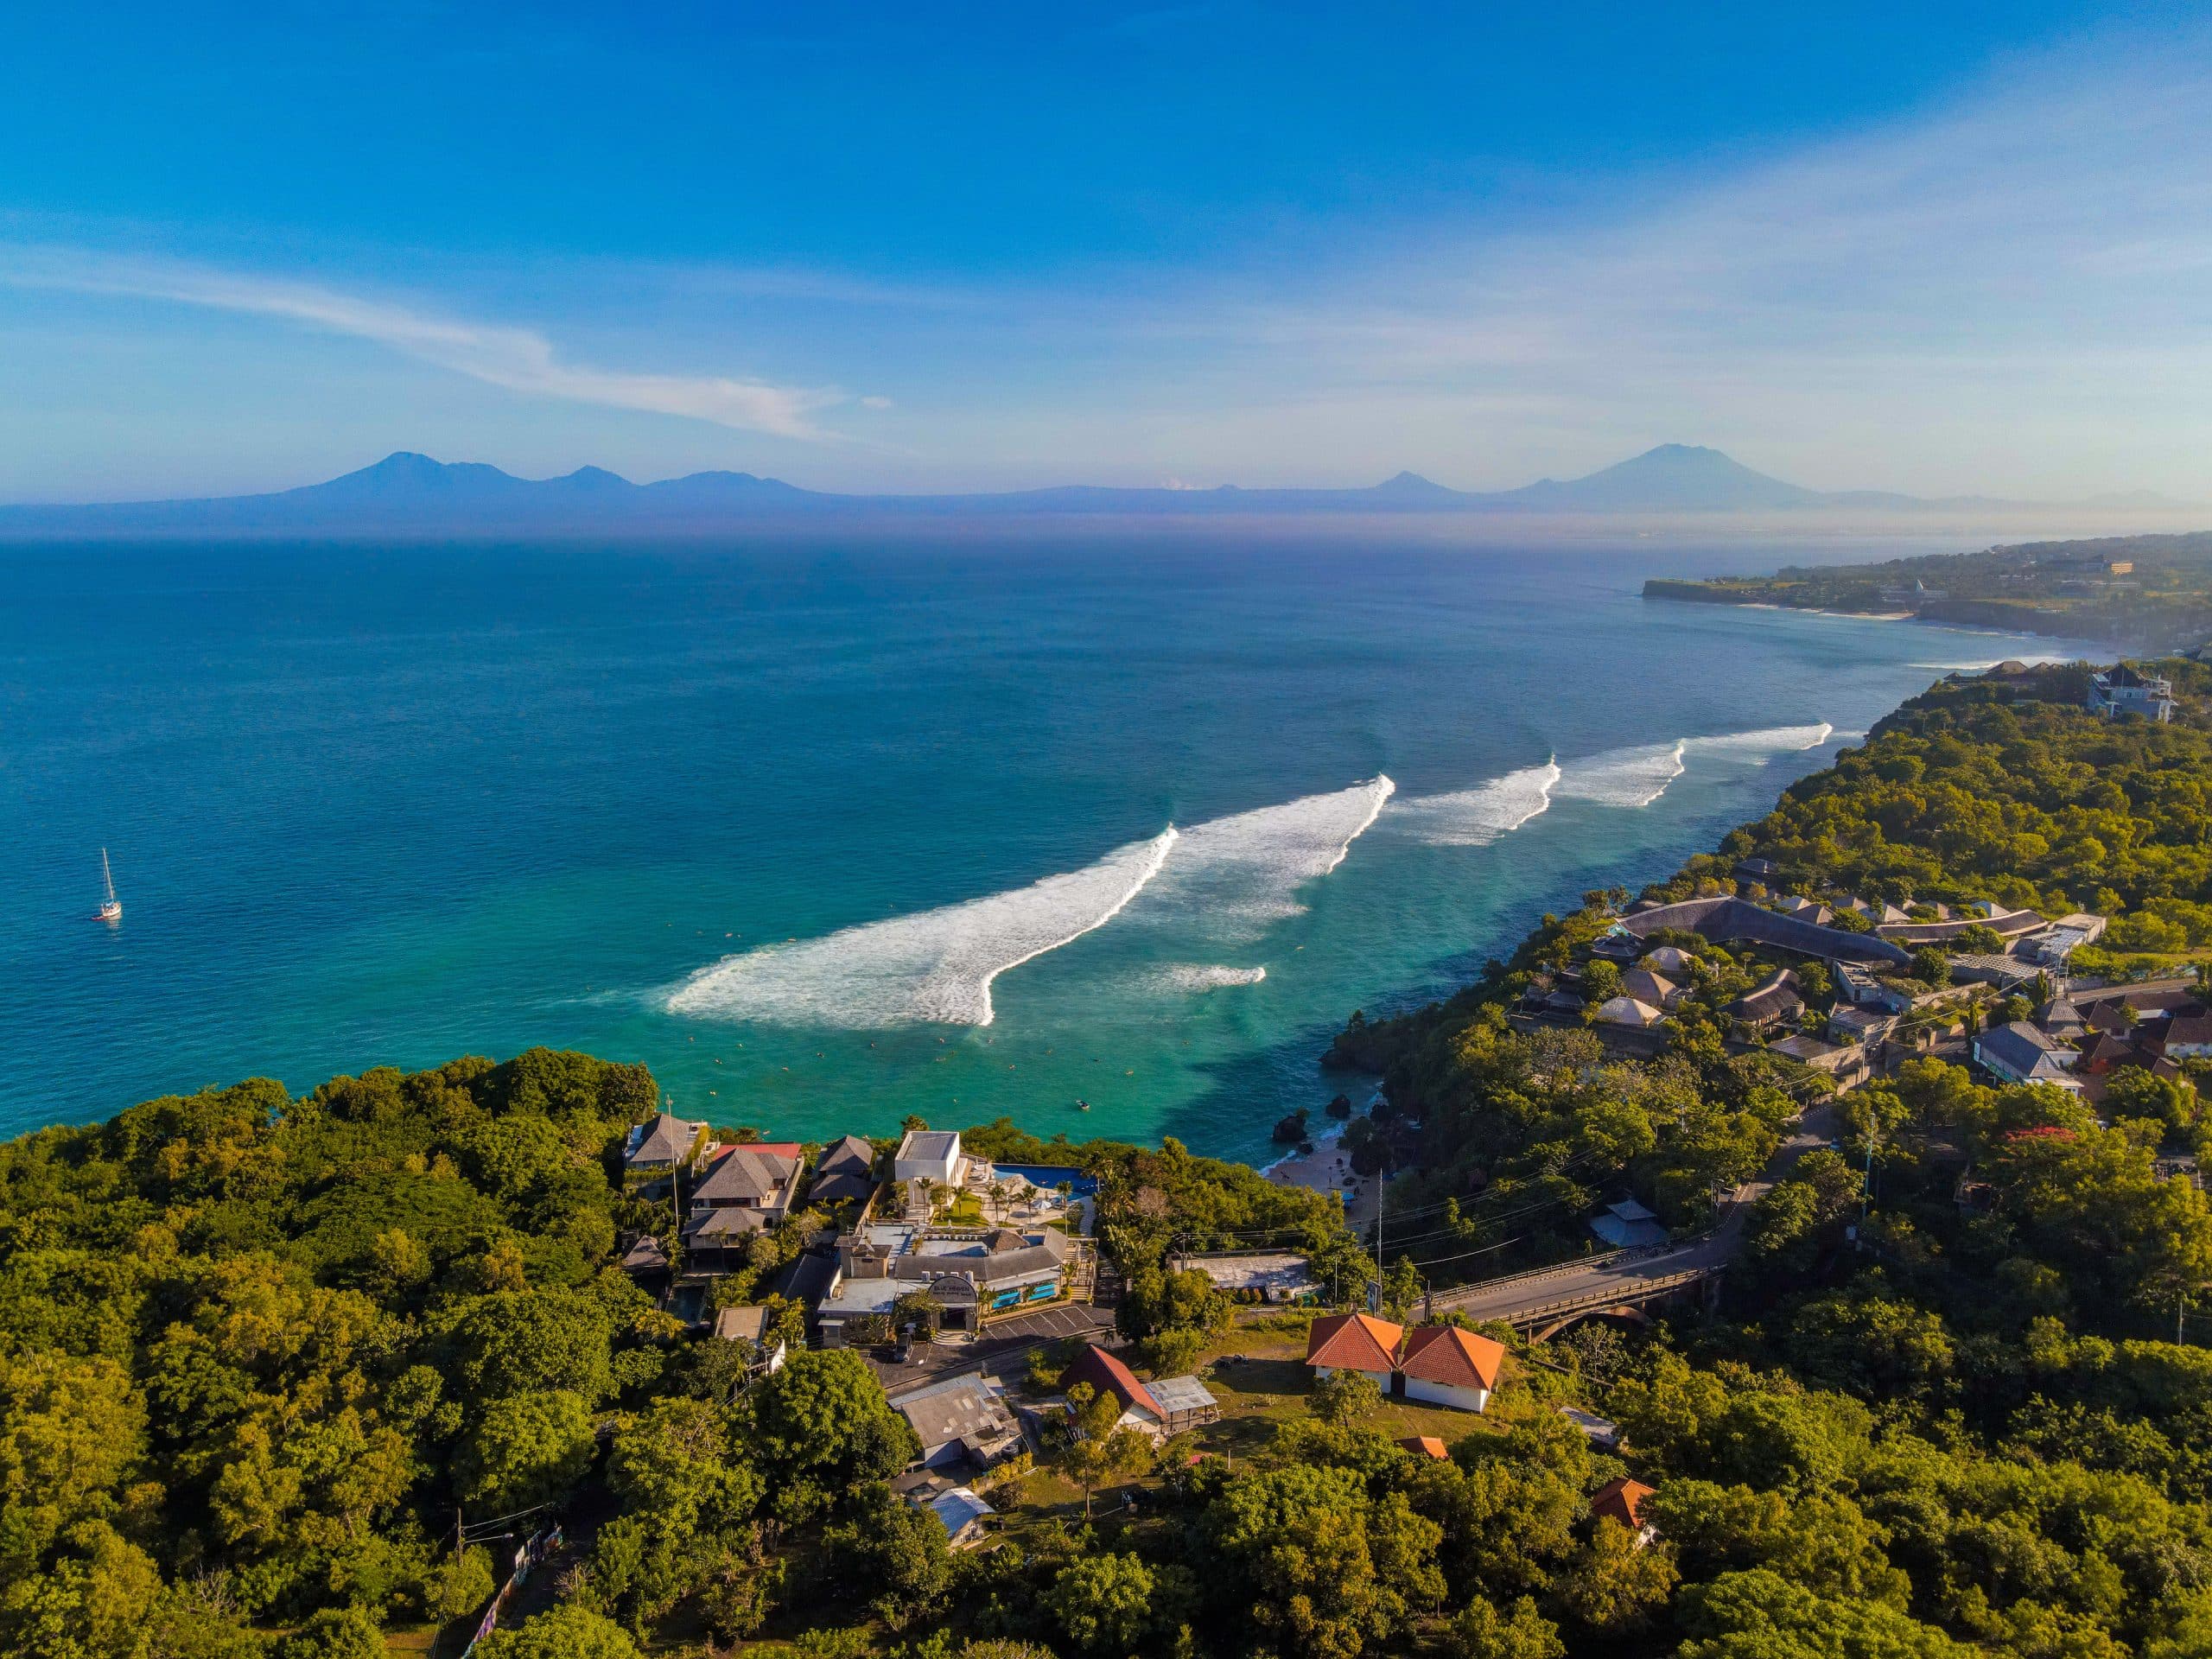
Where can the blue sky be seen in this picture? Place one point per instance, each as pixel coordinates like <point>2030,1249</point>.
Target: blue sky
<point>1937,248</point>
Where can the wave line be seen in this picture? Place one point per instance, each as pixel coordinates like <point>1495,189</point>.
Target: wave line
<point>935,967</point>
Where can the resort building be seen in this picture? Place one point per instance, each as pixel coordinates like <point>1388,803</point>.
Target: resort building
<point>1627,1011</point>
<point>1846,1064</point>
<point>961,1513</point>
<point>1864,1026</point>
<point>1621,1502</point>
<point>1628,1225</point>
<point>844,1173</point>
<point>2123,692</point>
<point>2020,1053</point>
<point>1355,1342</point>
<point>1774,1002</point>
<point>1166,1405</point>
<point>750,1325</point>
<point>2064,936</point>
<point>1654,990</point>
<point>969,1272</point>
<point>655,1149</point>
<point>930,1155</point>
<point>2188,1037</point>
<point>1265,1275</point>
<point>1443,1365</point>
<point>747,1189</point>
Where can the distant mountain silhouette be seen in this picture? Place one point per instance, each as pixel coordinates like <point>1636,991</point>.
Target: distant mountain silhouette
<point>414,494</point>
<point>1674,478</point>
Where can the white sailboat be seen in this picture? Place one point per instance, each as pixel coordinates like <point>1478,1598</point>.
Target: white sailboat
<point>111,907</point>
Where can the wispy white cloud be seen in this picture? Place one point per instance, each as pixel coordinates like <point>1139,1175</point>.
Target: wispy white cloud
<point>519,360</point>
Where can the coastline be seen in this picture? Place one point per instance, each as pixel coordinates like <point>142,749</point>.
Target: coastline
<point>1327,1170</point>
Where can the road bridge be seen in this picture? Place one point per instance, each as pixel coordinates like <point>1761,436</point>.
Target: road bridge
<point>1545,1300</point>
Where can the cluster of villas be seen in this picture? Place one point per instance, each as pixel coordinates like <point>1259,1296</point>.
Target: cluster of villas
<point>1875,1011</point>
<point>962,1237</point>
<point>2076,1042</point>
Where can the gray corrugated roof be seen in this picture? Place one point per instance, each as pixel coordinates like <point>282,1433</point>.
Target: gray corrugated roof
<point>962,1409</point>
<point>2019,1047</point>
<point>931,1144</point>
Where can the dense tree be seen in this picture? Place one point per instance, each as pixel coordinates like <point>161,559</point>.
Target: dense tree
<point>1615,1583</point>
<point>820,1427</point>
<point>565,1632</point>
<point>1479,1630</point>
<point>1113,1603</point>
<point>896,1554</point>
<point>333,1633</point>
<point>524,1450</point>
<point>1761,1615</point>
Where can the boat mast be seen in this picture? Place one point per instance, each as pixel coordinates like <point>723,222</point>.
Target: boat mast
<point>107,876</point>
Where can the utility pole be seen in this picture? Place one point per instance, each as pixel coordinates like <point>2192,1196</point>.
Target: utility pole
<point>1866,1189</point>
<point>1382,1186</point>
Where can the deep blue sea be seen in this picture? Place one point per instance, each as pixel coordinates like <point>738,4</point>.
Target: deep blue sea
<point>832,829</point>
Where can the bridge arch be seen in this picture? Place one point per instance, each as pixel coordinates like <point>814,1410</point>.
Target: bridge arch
<point>1624,1311</point>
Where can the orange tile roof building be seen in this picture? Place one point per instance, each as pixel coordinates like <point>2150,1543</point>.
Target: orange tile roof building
<point>1355,1342</point>
<point>1443,1365</point>
<point>1439,1364</point>
<point>1622,1501</point>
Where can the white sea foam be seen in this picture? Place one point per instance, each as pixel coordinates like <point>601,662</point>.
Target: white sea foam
<point>1237,876</point>
<point>1478,817</point>
<point>1229,879</point>
<point>1636,776</point>
<point>1210,976</point>
<point>1628,778</point>
<point>933,967</point>
<point>1763,744</point>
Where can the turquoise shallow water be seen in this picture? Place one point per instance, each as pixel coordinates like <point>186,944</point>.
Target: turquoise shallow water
<point>779,818</point>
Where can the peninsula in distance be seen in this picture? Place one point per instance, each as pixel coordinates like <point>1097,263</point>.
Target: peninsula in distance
<point>412,493</point>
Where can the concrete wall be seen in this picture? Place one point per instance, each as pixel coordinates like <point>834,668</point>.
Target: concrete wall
<point>1446,1394</point>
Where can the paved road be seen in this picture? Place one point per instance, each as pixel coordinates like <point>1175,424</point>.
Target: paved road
<point>1627,1274</point>
<point>1005,1345</point>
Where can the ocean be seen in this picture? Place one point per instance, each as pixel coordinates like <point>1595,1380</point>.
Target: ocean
<point>834,829</point>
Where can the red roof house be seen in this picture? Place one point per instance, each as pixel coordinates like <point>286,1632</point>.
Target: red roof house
<point>1354,1341</point>
<point>1447,1366</point>
<point>1107,1375</point>
<point>1622,1501</point>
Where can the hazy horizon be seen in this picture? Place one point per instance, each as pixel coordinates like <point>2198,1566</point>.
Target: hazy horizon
<point>995,249</point>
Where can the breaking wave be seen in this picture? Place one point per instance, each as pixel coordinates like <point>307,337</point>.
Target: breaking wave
<point>1228,879</point>
<point>1241,874</point>
<point>1630,778</point>
<point>1636,776</point>
<point>1478,817</point>
<point>933,968</point>
<point>1763,744</point>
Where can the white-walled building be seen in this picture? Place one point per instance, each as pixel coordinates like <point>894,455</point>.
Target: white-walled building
<point>930,1155</point>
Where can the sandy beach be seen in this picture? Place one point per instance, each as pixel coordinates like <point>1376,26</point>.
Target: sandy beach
<point>1328,1169</point>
